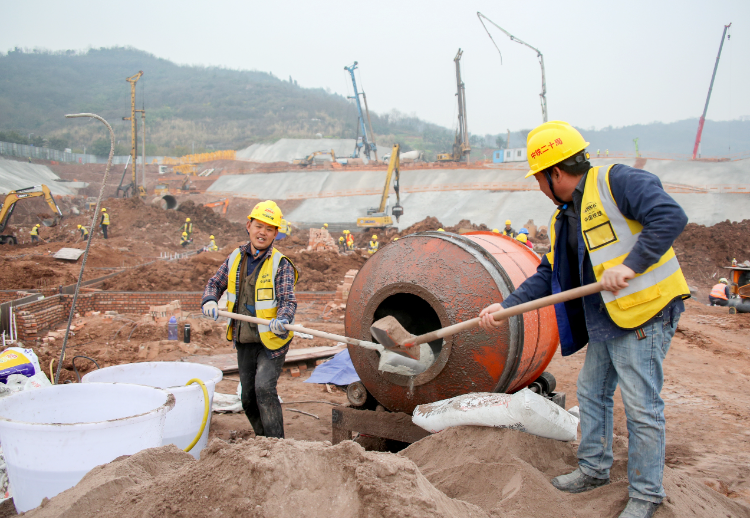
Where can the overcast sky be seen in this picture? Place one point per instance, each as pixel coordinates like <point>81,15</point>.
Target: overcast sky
<point>607,63</point>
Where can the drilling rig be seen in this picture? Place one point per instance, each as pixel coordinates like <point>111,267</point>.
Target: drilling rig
<point>461,147</point>
<point>133,188</point>
<point>363,144</point>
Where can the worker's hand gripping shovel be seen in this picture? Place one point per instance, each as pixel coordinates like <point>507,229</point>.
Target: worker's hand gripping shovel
<point>394,337</point>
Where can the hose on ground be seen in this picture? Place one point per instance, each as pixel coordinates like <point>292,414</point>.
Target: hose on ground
<point>206,411</point>
<point>76,370</point>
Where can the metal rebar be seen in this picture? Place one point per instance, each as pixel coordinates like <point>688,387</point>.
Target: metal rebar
<point>91,232</point>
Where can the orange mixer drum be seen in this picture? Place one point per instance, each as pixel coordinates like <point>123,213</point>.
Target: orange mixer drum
<point>434,279</point>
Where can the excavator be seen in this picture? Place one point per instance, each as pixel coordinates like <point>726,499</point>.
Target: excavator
<point>14,197</point>
<point>308,160</point>
<point>224,203</point>
<point>378,217</point>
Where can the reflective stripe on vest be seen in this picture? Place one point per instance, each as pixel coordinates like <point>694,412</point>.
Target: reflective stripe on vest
<point>34,231</point>
<point>105,221</point>
<point>265,295</point>
<point>718,291</point>
<point>609,237</point>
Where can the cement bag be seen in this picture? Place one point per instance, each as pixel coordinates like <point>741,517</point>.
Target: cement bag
<point>228,403</point>
<point>15,360</point>
<point>525,411</point>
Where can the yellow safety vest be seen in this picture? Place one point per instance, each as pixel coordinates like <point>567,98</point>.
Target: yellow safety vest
<point>188,227</point>
<point>34,231</point>
<point>212,246</point>
<point>609,237</point>
<point>105,221</point>
<point>84,232</point>
<point>265,295</point>
<point>373,247</point>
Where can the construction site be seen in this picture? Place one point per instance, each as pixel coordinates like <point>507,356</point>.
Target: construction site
<point>120,391</point>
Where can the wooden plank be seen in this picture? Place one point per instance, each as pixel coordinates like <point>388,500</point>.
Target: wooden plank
<point>68,254</point>
<point>388,425</point>
<point>227,363</point>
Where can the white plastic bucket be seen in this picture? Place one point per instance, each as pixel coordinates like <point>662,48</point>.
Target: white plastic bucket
<point>184,422</point>
<point>53,436</point>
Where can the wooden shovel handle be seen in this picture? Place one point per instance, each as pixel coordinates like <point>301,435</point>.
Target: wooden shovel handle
<point>300,329</point>
<point>502,314</point>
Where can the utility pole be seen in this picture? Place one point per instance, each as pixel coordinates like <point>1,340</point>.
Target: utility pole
<point>702,120</point>
<point>635,141</point>
<point>133,141</point>
<point>543,95</point>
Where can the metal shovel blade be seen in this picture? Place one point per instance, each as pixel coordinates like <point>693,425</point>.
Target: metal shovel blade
<point>391,335</point>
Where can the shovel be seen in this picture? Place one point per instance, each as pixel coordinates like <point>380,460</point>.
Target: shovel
<point>391,334</point>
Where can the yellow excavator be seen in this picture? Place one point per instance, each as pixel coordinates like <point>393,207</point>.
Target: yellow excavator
<point>308,160</point>
<point>378,217</point>
<point>14,197</point>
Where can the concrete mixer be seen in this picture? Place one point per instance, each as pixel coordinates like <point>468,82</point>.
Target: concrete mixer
<point>431,280</point>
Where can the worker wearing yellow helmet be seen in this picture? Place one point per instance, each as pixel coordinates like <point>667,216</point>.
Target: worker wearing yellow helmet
<point>720,293</point>
<point>342,244</point>
<point>104,222</point>
<point>84,232</point>
<point>496,231</point>
<point>187,227</point>
<point>184,240</point>
<point>324,227</point>
<point>349,240</point>
<point>35,233</point>
<point>613,224</point>
<point>212,244</point>
<point>508,230</point>
<point>259,281</point>
<point>373,247</point>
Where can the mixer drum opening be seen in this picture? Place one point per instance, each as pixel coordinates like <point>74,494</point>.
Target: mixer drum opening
<point>414,313</point>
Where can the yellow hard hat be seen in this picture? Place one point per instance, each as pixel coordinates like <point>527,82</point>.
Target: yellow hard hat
<point>210,237</point>
<point>507,222</point>
<point>395,239</point>
<point>522,238</point>
<point>346,231</point>
<point>325,225</point>
<point>374,236</point>
<point>341,239</point>
<point>551,143</point>
<point>104,210</point>
<point>187,220</point>
<point>184,234</point>
<point>38,224</point>
<point>79,226</point>
<point>267,212</point>
<point>496,231</point>
<point>440,230</point>
<point>724,280</point>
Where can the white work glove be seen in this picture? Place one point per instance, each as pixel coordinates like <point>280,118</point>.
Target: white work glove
<point>211,309</point>
<point>277,326</point>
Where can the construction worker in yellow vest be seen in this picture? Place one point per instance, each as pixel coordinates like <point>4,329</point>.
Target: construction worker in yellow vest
<point>508,230</point>
<point>84,232</point>
<point>373,245</point>
<point>212,245</point>
<point>259,281</point>
<point>184,240</point>
<point>614,224</point>
<point>342,244</point>
<point>104,222</point>
<point>349,240</point>
<point>187,228</point>
<point>324,227</point>
<point>35,233</point>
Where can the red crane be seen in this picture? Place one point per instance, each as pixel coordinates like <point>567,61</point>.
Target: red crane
<point>708,98</point>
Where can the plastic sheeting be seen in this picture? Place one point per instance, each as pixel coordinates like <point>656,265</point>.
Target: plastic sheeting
<point>339,370</point>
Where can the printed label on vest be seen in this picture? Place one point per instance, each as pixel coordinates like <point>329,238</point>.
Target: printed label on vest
<point>264,294</point>
<point>600,235</point>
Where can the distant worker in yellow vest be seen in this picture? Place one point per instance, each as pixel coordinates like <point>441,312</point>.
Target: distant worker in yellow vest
<point>349,240</point>
<point>373,245</point>
<point>187,227</point>
<point>324,227</point>
<point>523,237</point>
<point>342,244</point>
<point>104,222</point>
<point>719,295</point>
<point>508,230</point>
<point>184,240</point>
<point>616,225</point>
<point>84,232</point>
<point>212,244</point>
<point>35,233</point>
<point>259,281</point>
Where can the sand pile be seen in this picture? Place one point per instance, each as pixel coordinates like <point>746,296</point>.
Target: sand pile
<point>259,478</point>
<point>507,474</point>
<point>702,251</point>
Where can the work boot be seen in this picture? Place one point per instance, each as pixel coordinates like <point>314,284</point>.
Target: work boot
<point>638,508</point>
<point>578,482</point>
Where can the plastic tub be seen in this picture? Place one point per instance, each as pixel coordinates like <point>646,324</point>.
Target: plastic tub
<point>185,420</point>
<point>53,436</point>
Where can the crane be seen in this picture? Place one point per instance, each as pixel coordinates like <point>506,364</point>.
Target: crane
<point>364,144</point>
<point>543,95</point>
<point>708,98</point>
<point>133,187</point>
<point>378,217</point>
<point>461,145</point>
